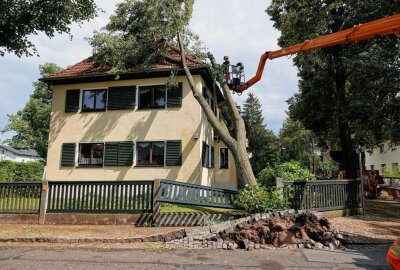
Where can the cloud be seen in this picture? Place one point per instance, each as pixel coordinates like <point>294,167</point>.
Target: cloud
<point>238,28</point>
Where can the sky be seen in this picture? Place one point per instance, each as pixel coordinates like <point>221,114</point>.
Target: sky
<point>238,28</point>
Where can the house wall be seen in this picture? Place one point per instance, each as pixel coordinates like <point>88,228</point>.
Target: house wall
<point>389,157</point>
<point>131,125</point>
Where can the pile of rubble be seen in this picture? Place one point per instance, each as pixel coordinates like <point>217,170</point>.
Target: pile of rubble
<point>265,231</point>
<point>305,229</point>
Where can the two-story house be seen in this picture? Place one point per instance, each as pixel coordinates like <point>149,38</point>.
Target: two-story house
<point>131,126</point>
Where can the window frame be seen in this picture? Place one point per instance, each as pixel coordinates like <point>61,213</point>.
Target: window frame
<point>82,99</point>
<point>136,156</point>
<point>220,158</point>
<point>78,155</point>
<point>153,86</point>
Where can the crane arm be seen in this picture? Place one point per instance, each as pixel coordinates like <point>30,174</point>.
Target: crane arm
<point>381,27</point>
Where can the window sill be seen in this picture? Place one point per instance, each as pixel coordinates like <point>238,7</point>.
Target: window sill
<point>149,166</point>
<point>89,111</point>
<point>224,168</point>
<point>151,108</point>
<point>89,166</point>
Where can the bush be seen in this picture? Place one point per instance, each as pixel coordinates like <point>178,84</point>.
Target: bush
<point>290,171</point>
<point>391,172</point>
<point>11,171</point>
<point>260,199</point>
<point>327,169</point>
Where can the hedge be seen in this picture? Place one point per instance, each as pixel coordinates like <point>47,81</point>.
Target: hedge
<point>11,171</point>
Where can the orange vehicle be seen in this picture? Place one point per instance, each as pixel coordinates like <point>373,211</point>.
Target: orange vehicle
<point>393,256</point>
<point>382,27</point>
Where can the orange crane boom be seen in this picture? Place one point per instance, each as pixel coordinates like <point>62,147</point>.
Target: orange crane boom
<point>378,28</point>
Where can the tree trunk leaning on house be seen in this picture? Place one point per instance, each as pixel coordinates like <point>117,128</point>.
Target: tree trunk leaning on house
<point>236,145</point>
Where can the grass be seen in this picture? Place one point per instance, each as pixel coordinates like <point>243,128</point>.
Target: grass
<point>177,208</point>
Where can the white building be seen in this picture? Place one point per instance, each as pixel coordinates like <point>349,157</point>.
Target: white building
<point>23,154</point>
<point>386,154</point>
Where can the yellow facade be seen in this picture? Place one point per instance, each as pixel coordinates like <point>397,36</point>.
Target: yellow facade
<point>184,123</point>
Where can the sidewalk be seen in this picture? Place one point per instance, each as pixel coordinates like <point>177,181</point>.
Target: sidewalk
<point>87,233</point>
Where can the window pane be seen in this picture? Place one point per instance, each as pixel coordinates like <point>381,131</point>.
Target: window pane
<point>145,100</point>
<point>159,96</point>
<point>143,153</point>
<point>97,149</point>
<point>88,100</point>
<point>85,151</point>
<point>224,158</point>
<point>158,154</point>
<point>101,99</point>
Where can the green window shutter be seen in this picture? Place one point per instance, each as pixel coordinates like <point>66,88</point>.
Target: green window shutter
<point>121,98</point>
<point>212,157</point>
<point>174,96</point>
<point>72,100</point>
<point>173,153</point>
<point>204,155</point>
<point>111,154</point>
<point>68,155</point>
<point>125,153</point>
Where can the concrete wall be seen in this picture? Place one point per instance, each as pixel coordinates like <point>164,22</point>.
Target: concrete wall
<point>390,156</point>
<point>132,125</point>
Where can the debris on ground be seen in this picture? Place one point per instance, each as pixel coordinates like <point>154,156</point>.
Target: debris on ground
<point>306,229</point>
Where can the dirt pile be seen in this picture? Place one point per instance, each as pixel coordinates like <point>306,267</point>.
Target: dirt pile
<point>307,229</point>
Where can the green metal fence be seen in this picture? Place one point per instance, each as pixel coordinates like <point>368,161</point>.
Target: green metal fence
<point>17,198</point>
<point>100,197</point>
<point>323,195</point>
<point>184,193</point>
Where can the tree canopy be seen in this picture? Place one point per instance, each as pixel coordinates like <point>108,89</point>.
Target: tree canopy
<point>140,31</point>
<point>346,92</point>
<point>21,18</point>
<point>263,145</point>
<point>31,124</point>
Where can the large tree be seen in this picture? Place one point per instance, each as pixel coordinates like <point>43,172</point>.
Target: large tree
<point>139,34</point>
<point>31,124</point>
<point>21,18</point>
<point>263,145</point>
<point>297,143</point>
<point>346,91</point>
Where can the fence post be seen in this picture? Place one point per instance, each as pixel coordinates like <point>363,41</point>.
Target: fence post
<point>280,187</point>
<point>43,202</point>
<point>156,204</point>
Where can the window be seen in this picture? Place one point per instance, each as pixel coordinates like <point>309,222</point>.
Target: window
<point>381,148</point>
<point>208,156</point>
<point>372,167</point>
<point>223,158</point>
<point>152,96</point>
<point>91,154</point>
<point>94,100</point>
<point>150,153</point>
<point>395,166</point>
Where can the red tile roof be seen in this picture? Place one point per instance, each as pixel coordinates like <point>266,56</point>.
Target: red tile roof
<point>88,67</point>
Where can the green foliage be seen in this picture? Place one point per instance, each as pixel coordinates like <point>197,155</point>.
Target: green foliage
<point>20,19</point>
<point>391,172</point>
<point>297,142</point>
<point>11,171</point>
<point>327,169</point>
<point>290,171</point>
<point>263,144</point>
<point>140,31</point>
<point>31,124</point>
<point>347,93</point>
<point>259,199</point>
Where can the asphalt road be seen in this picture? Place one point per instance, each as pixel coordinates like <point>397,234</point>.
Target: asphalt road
<point>76,259</point>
